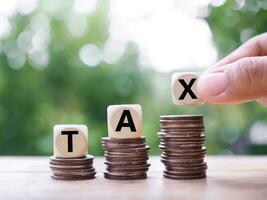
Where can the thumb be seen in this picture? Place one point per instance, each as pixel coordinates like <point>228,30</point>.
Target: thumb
<point>238,82</point>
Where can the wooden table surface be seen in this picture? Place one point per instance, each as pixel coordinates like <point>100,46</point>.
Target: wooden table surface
<point>233,177</point>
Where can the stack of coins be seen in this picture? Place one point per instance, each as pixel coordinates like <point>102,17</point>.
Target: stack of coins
<point>72,168</point>
<point>126,159</point>
<point>182,142</point>
<point>71,160</point>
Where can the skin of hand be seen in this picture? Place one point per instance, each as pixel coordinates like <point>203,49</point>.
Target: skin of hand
<point>240,77</point>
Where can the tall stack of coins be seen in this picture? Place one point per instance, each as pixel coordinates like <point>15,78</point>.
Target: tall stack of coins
<point>126,159</point>
<point>182,142</point>
<point>72,168</point>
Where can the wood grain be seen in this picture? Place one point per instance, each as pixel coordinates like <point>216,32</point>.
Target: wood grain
<point>233,177</point>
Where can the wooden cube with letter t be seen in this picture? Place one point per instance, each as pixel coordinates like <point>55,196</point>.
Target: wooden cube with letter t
<point>70,141</point>
<point>184,90</point>
<point>125,121</point>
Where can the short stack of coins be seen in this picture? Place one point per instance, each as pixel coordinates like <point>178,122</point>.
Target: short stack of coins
<point>126,159</point>
<point>126,151</point>
<point>182,142</point>
<point>71,161</point>
<point>72,168</point>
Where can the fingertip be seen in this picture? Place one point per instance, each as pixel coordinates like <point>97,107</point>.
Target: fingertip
<point>210,86</point>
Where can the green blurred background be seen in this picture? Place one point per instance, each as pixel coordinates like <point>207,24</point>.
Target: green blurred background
<point>59,64</point>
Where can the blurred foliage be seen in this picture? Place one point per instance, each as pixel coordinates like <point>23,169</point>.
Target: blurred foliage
<point>34,97</point>
<point>235,22</point>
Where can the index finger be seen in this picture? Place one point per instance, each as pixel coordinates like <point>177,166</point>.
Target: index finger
<point>256,46</point>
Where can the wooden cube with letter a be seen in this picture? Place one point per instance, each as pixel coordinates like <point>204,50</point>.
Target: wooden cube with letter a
<point>70,141</point>
<point>125,121</point>
<point>184,90</point>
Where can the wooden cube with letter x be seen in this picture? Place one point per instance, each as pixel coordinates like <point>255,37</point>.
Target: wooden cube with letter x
<point>125,121</point>
<point>70,161</point>
<point>184,90</point>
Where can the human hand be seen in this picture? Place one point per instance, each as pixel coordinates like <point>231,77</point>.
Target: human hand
<point>239,77</point>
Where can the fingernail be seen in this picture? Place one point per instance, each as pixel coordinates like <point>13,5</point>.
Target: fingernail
<point>212,84</point>
<point>262,101</point>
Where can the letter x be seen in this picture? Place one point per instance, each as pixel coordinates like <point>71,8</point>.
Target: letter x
<point>187,89</point>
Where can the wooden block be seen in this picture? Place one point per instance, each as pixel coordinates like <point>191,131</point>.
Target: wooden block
<point>125,121</point>
<point>70,141</point>
<point>184,90</point>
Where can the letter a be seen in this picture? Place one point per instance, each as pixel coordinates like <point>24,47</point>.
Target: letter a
<point>129,123</point>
